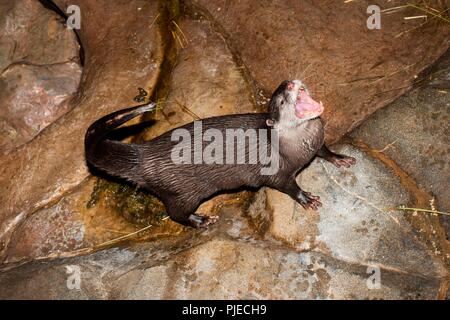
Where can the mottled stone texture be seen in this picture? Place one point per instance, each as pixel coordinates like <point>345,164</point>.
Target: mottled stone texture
<point>39,70</point>
<point>123,51</point>
<point>208,58</point>
<point>352,69</point>
<point>205,83</point>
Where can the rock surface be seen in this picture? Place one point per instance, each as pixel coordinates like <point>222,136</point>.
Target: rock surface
<point>205,83</point>
<point>352,69</point>
<point>413,132</point>
<point>39,70</point>
<point>356,223</point>
<point>62,220</point>
<point>275,249</point>
<point>33,34</point>
<point>225,262</point>
<point>123,51</point>
<point>32,97</point>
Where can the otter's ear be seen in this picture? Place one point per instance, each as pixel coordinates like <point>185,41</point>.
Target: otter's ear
<point>270,122</point>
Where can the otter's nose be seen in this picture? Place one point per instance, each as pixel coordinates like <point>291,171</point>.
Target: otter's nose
<point>290,85</point>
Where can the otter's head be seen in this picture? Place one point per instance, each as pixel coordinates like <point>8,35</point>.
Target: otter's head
<point>292,104</point>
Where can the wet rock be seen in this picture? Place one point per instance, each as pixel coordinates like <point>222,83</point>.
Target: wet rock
<point>39,69</point>
<point>275,250</point>
<point>96,212</point>
<point>221,268</point>
<point>99,272</point>
<point>413,131</point>
<point>123,52</point>
<point>352,69</point>
<point>32,97</point>
<point>227,261</point>
<point>205,82</point>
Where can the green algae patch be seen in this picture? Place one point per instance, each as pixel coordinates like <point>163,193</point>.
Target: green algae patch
<point>136,206</point>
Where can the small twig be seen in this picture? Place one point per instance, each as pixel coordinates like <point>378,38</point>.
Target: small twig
<point>176,37</point>
<point>187,110</point>
<point>393,9</point>
<point>420,25</point>
<point>106,243</point>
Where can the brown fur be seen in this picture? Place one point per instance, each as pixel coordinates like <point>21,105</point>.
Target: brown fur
<point>182,187</point>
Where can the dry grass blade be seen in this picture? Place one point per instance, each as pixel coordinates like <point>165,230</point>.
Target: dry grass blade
<point>416,17</point>
<point>154,20</point>
<point>184,108</point>
<point>93,248</point>
<point>423,210</point>
<point>181,31</point>
<point>439,16</point>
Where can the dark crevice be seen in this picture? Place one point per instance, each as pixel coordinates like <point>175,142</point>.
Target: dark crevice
<point>436,75</point>
<point>170,12</point>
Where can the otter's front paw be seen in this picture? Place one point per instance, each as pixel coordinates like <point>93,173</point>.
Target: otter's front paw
<point>308,201</point>
<point>343,161</point>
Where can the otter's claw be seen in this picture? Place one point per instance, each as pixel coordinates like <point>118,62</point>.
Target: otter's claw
<point>343,161</point>
<point>198,221</point>
<point>308,201</point>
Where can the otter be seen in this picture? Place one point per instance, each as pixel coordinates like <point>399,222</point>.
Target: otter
<point>295,135</point>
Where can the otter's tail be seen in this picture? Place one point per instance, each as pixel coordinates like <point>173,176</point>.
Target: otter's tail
<point>114,157</point>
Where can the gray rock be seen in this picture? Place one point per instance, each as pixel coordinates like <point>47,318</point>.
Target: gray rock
<point>217,269</point>
<point>356,223</point>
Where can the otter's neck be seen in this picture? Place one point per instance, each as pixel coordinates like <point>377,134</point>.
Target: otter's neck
<point>301,141</point>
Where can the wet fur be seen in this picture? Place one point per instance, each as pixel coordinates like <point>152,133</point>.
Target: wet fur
<point>182,187</point>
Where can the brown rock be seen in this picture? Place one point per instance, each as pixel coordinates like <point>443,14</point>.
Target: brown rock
<point>352,69</point>
<point>31,33</point>
<point>93,214</point>
<point>32,97</point>
<point>123,49</point>
<point>205,82</point>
